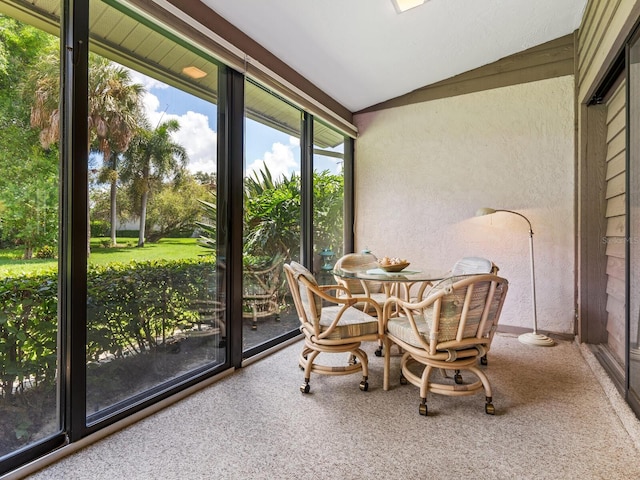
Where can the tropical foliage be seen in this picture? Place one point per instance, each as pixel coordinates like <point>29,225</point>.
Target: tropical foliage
<point>272,211</point>
<point>28,172</point>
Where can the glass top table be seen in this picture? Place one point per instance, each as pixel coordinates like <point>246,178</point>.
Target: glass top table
<point>372,272</point>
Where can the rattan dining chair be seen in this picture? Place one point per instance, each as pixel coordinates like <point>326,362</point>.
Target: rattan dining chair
<point>261,291</point>
<point>331,324</point>
<point>449,330</point>
<point>369,288</point>
<point>474,265</point>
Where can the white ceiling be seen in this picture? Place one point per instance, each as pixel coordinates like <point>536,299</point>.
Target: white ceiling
<point>361,52</point>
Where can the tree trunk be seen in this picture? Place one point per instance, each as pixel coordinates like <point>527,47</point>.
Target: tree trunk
<point>143,218</point>
<point>113,213</point>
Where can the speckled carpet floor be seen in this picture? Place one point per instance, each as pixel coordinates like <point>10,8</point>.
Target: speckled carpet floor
<point>556,418</point>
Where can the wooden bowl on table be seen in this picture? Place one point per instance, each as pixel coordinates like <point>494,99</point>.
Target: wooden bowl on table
<point>394,267</point>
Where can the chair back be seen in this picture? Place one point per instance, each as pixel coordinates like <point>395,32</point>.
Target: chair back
<point>302,284</point>
<point>473,265</point>
<point>358,262</point>
<point>465,310</point>
<point>263,282</point>
<point>459,312</point>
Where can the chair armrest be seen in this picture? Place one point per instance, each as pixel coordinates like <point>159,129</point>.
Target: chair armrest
<point>337,287</point>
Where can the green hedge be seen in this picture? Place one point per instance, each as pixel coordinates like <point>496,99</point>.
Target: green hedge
<point>130,308</point>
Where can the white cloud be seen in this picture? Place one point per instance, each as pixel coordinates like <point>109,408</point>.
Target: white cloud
<point>199,140</point>
<point>195,135</point>
<point>147,82</point>
<point>280,161</point>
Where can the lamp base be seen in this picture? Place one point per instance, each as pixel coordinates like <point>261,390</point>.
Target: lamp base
<point>536,339</point>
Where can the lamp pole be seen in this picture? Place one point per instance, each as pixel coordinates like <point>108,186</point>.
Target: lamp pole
<point>531,338</point>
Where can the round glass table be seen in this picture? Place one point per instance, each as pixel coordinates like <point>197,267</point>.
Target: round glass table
<point>407,277</point>
<point>372,272</point>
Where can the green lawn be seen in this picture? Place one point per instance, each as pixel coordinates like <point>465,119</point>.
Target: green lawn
<point>11,261</point>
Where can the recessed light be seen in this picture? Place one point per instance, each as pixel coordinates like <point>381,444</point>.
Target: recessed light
<point>404,5</point>
<point>194,72</point>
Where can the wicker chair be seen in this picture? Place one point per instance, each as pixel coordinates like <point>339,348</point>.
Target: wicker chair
<point>372,289</point>
<point>260,291</point>
<point>471,266</point>
<point>464,266</point>
<point>449,330</point>
<point>337,328</point>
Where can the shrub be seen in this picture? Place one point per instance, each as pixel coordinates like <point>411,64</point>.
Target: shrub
<point>47,251</point>
<point>130,308</point>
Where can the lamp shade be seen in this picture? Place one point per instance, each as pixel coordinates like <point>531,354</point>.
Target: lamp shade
<point>485,211</point>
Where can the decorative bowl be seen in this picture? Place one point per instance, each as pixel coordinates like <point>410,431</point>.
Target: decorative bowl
<point>397,267</point>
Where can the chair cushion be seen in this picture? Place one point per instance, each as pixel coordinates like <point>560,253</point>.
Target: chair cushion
<point>451,309</point>
<point>472,265</point>
<point>400,327</point>
<point>353,323</point>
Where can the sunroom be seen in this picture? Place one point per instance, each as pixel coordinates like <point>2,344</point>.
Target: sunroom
<point>160,156</point>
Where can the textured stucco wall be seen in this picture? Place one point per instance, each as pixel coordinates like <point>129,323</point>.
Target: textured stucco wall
<point>423,170</point>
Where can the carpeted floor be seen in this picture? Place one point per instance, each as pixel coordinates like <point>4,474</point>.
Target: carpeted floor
<point>554,420</point>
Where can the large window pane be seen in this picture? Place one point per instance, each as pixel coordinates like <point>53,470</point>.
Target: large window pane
<point>328,199</point>
<point>29,173</point>
<point>155,276</point>
<point>272,213</point>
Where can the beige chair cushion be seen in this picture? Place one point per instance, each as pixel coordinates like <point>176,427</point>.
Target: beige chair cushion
<point>353,323</point>
<point>451,309</point>
<point>472,265</point>
<point>400,327</point>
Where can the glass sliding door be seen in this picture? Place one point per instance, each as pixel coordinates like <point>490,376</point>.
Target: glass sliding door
<point>29,233</point>
<point>328,199</point>
<point>272,214</point>
<point>633,222</point>
<point>155,276</point>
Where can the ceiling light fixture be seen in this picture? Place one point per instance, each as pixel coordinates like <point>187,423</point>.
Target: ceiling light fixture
<point>194,72</point>
<point>404,5</point>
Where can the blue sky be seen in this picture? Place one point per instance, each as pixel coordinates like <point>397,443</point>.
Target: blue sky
<point>198,133</point>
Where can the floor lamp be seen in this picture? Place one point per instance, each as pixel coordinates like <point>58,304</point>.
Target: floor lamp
<point>532,338</point>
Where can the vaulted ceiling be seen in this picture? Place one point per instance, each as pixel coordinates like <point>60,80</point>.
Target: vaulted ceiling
<point>362,52</point>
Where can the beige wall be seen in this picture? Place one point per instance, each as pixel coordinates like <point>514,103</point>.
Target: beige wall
<point>422,170</point>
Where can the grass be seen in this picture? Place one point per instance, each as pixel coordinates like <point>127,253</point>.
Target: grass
<point>11,262</point>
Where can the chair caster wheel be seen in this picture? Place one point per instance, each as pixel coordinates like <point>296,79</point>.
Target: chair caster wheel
<point>403,380</point>
<point>305,388</point>
<point>378,352</point>
<point>422,409</point>
<point>483,360</point>
<point>457,378</point>
<point>489,409</point>
<point>364,385</point>
<point>254,327</point>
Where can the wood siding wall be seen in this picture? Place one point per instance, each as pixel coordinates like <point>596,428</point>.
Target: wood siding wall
<point>615,221</point>
<point>605,28</point>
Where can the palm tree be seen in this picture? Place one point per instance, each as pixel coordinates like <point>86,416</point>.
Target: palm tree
<point>115,110</point>
<point>151,157</point>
